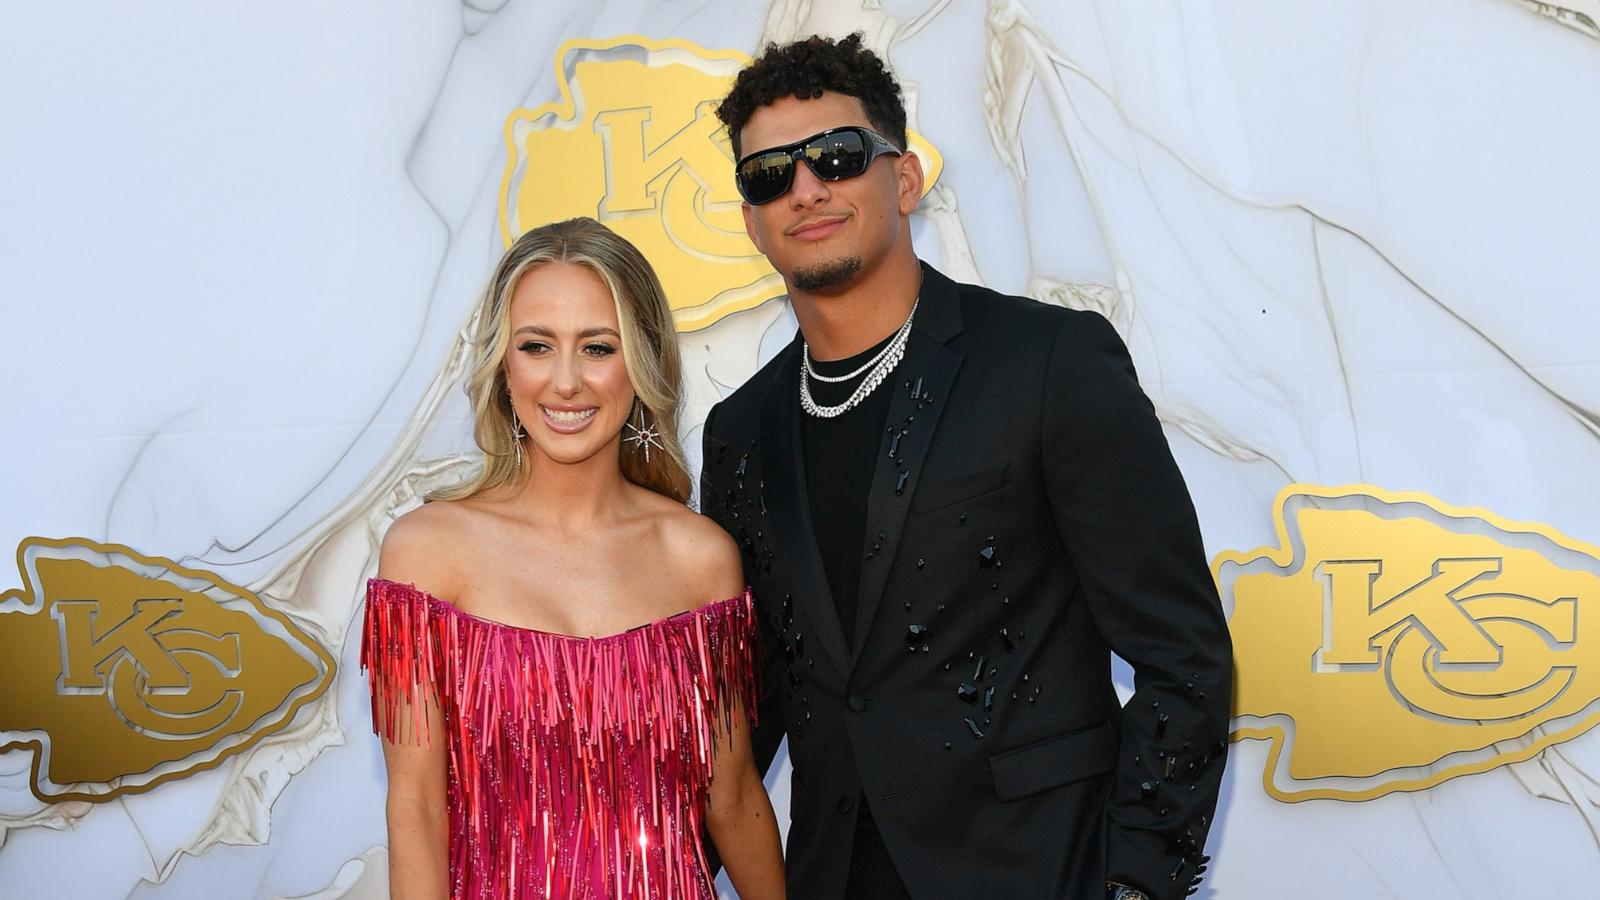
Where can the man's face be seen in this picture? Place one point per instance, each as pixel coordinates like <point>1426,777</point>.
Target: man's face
<point>821,235</point>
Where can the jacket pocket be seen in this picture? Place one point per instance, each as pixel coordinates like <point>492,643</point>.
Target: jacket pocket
<point>1054,761</point>
<point>947,491</point>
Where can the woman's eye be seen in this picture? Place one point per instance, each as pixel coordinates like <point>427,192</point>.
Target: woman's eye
<point>533,346</point>
<point>599,349</point>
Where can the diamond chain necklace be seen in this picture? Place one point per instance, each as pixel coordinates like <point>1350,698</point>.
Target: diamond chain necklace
<point>814,375</point>
<point>881,365</point>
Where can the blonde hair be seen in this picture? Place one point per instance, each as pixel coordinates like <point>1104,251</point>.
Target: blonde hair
<point>649,352</point>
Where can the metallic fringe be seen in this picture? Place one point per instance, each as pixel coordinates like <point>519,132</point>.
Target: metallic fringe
<point>577,767</point>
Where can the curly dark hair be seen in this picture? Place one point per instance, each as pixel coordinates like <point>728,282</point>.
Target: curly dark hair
<point>804,69</point>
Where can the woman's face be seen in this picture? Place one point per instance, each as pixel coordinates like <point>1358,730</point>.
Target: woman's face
<point>568,382</point>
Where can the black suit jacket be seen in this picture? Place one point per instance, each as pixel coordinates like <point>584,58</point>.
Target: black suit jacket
<point>1026,518</point>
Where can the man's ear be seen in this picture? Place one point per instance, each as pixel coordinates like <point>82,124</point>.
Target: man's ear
<point>750,226</point>
<point>908,171</point>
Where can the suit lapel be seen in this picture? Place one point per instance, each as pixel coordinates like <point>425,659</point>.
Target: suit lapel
<point>783,468</point>
<point>921,385</point>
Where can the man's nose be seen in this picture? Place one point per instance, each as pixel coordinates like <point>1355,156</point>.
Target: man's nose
<point>807,190</point>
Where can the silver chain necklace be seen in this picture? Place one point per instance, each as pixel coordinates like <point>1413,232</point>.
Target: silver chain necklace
<point>814,375</point>
<point>881,366</point>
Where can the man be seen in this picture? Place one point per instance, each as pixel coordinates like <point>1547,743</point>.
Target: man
<point>953,506</point>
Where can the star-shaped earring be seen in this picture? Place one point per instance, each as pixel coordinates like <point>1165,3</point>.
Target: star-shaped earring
<point>644,436</point>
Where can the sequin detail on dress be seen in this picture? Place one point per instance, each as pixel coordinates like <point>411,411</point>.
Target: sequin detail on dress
<point>577,767</point>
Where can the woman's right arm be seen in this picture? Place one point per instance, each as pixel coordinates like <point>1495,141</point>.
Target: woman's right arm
<point>418,825</point>
<point>419,838</point>
<point>416,812</point>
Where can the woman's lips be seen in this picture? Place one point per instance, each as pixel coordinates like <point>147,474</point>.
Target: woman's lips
<point>568,421</point>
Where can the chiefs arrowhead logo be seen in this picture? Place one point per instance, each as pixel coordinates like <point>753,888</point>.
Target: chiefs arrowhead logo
<point>122,671</point>
<point>1391,642</point>
<point>635,142</point>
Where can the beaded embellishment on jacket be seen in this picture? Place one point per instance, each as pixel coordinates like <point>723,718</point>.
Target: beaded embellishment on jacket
<point>577,767</point>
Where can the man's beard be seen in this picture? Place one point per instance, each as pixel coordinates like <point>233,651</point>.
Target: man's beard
<point>826,275</point>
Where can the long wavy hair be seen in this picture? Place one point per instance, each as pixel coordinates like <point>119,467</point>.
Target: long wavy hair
<point>649,352</point>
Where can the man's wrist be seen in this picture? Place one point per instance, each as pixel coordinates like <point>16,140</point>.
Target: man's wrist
<point>1117,891</point>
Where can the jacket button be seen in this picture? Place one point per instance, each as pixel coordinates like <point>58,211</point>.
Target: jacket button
<point>846,804</point>
<point>855,702</point>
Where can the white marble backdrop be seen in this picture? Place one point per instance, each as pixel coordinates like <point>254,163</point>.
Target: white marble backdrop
<point>1348,242</point>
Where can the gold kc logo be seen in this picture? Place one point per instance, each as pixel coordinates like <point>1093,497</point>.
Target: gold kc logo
<point>1443,642</point>
<point>1392,641</point>
<point>121,671</point>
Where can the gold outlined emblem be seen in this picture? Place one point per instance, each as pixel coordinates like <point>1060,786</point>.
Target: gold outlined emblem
<point>1391,642</point>
<point>122,671</point>
<point>634,141</point>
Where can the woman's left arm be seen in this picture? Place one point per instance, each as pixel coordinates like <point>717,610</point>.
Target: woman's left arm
<point>739,815</point>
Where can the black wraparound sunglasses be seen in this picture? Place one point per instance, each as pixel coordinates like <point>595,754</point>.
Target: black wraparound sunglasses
<point>835,154</point>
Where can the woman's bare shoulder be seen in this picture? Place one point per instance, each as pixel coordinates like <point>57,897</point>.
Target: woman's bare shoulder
<point>423,547</point>
<point>703,555</point>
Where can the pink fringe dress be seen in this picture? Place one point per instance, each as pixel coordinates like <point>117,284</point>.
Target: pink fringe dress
<point>577,767</point>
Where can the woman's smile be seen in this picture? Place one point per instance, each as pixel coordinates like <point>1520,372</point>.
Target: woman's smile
<point>568,419</point>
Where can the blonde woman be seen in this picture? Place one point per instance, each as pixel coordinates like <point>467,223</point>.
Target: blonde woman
<point>561,651</point>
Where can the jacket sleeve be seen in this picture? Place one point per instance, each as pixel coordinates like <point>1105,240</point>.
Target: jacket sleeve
<point>715,485</point>
<point>1125,516</point>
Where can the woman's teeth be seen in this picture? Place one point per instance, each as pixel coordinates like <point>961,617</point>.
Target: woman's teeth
<point>564,417</point>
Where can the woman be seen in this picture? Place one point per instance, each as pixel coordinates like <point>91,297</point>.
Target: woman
<point>562,709</point>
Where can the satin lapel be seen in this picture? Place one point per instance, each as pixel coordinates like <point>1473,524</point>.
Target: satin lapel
<point>795,540</point>
<point>921,385</point>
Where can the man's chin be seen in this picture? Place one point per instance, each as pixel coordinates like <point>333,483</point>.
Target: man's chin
<point>825,276</point>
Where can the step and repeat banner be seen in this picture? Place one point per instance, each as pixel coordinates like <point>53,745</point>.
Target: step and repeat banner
<point>1350,246</point>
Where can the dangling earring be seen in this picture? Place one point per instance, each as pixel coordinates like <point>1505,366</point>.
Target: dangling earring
<point>644,435</point>
<point>517,431</point>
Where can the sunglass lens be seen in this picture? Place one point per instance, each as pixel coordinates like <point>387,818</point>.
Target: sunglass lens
<point>764,178</point>
<point>842,154</point>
